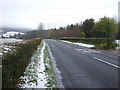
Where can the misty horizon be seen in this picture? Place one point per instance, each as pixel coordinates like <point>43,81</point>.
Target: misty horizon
<point>54,13</point>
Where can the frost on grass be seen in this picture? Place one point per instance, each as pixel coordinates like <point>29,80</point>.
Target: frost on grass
<point>34,76</point>
<point>50,75</point>
<point>39,73</point>
<point>9,47</point>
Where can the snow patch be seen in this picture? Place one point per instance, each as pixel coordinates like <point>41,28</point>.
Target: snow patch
<point>80,44</point>
<point>118,42</point>
<point>1,54</point>
<point>34,74</point>
<point>11,33</point>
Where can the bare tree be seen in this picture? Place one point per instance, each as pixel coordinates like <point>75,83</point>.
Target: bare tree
<point>40,27</point>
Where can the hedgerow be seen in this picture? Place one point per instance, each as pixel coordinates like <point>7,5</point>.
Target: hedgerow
<point>15,63</point>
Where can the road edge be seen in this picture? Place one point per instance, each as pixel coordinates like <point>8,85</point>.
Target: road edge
<point>56,70</point>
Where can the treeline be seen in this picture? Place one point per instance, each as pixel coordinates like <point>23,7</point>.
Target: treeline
<point>104,28</point>
<point>36,34</point>
<point>69,31</point>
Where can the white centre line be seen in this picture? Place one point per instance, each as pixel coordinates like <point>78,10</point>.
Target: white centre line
<point>106,62</point>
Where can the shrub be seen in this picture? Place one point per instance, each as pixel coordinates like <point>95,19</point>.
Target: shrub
<point>82,34</point>
<point>107,45</point>
<point>104,46</point>
<point>114,45</point>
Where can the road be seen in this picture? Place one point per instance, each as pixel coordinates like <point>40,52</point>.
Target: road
<point>0,72</point>
<point>81,67</point>
<point>0,78</point>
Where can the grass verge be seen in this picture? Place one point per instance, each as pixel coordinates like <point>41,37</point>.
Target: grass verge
<point>50,75</point>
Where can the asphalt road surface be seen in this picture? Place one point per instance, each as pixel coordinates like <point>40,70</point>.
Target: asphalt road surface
<point>0,72</point>
<point>0,78</point>
<point>81,67</point>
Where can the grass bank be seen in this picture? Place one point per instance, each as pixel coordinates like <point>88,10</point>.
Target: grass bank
<point>39,73</point>
<point>15,63</point>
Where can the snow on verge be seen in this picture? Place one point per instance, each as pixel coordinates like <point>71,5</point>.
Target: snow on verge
<point>56,70</point>
<point>80,44</point>
<point>118,42</point>
<point>34,74</point>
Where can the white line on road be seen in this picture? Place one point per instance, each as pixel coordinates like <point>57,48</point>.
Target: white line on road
<point>80,50</point>
<point>106,62</point>
<point>67,46</point>
<point>0,66</point>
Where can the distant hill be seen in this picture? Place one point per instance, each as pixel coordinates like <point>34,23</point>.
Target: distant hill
<point>11,34</point>
<point>8,29</point>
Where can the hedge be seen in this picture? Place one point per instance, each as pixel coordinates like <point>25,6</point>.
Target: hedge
<point>15,63</point>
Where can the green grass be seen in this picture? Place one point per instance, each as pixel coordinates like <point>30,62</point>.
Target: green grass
<point>51,81</point>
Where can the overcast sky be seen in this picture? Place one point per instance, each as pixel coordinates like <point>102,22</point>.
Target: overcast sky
<point>54,13</point>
